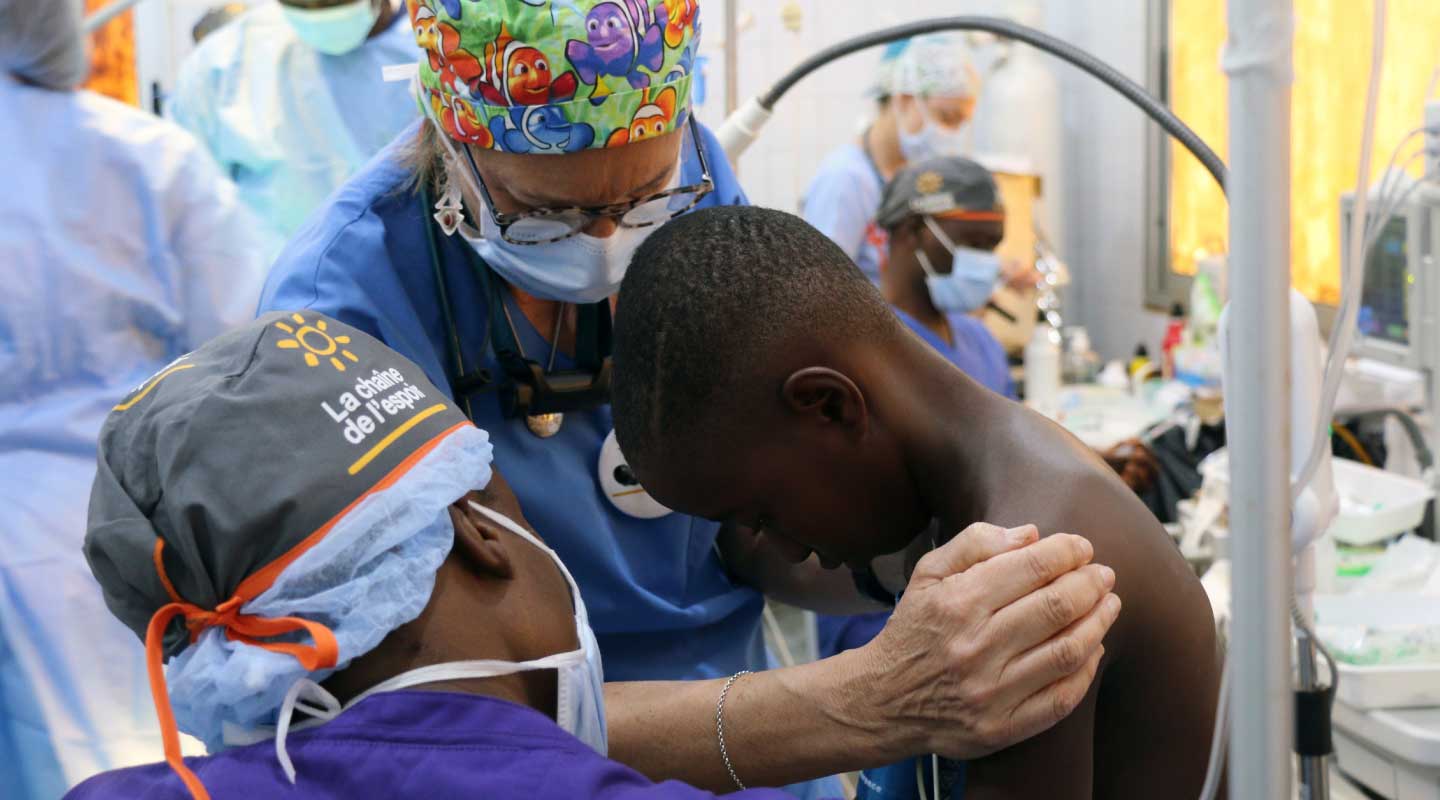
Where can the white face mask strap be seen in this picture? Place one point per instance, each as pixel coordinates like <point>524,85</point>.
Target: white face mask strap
<point>519,530</point>
<point>939,232</point>
<point>467,670</point>
<point>925,263</point>
<point>303,693</point>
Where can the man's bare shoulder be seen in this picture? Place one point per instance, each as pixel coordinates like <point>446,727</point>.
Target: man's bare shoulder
<point>1061,486</point>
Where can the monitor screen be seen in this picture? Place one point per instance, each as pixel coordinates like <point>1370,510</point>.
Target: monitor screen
<point>1383,311</point>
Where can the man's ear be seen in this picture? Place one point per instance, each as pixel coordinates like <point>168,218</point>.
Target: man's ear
<point>479,541</point>
<point>827,396</point>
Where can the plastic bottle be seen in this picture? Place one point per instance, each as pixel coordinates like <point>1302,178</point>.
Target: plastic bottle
<point>1139,366</point>
<point>1174,336</point>
<point>1081,364</point>
<point>1042,371</point>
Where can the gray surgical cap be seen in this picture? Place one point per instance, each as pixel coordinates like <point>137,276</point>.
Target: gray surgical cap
<point>41,42</point>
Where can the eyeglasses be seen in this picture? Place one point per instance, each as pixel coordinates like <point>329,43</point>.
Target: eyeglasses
<point>545,225</point>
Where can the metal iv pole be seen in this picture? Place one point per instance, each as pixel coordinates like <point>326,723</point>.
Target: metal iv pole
<point>1259,62</point>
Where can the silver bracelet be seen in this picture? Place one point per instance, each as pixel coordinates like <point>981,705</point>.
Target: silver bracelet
<point>720,726</point>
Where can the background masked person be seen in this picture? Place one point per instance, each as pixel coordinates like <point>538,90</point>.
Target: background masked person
<point>290,99</point>
<point>122,247</point>
<point>486,245</point>
<point>927,90</point>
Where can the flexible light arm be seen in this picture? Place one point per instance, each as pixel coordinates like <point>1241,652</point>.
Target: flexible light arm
<point>744,125</point>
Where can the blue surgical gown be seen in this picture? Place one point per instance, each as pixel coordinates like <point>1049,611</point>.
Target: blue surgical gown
<point>661,603</point>
<point>288,123</point>
<point>841,203</point>
<point>121,248</point>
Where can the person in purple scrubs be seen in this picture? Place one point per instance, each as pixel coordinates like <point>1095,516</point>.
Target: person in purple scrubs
<point>365,612</point>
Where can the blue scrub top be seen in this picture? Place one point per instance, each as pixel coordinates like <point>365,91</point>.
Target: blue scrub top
<point>841,203</point>
<point>976,351</point>
<point>660,601</point>
<point>288,123</point>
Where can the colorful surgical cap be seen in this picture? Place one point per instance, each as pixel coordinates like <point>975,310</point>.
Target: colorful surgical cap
<point>934,65</point>
<point>556,76</point>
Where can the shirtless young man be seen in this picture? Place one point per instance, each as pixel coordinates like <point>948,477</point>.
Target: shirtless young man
<point>761,380</point>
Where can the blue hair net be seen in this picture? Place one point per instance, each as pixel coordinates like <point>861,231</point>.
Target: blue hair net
<point>371,574</point>
<point>41,42</point>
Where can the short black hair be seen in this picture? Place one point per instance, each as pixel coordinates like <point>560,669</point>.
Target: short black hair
<point>707,300</point>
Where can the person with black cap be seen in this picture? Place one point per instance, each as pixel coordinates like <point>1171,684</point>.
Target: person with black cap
<point>945,219</point>
<point>302,524</point>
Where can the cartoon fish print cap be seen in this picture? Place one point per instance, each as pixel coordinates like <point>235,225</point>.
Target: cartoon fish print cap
<point>555,76</point>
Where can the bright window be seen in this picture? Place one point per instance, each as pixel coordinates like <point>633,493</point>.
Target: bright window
<point>1332,61</point>
<point>112,57</point>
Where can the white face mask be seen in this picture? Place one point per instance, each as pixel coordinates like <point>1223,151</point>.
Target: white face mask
<point>933,140</point>
<point>580,698</point>
<point>580,269</point>
<point>336,30</point>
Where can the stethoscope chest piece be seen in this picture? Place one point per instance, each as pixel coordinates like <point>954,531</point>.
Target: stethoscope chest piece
<point>618,483</point>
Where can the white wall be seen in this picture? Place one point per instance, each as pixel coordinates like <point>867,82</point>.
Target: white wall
<point>1104,153</point>
<point>1101,221</point>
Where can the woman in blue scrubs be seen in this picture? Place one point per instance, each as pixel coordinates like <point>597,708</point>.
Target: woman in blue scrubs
<point>487,244</point>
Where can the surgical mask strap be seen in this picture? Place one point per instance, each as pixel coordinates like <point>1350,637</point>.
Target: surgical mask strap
<point>304,694</point>
<point>946,241</point>
<point>519,530</point>
<point>300,692</point>
<point>322,706</point>
<point>465,670</point>
<point>925,264</point>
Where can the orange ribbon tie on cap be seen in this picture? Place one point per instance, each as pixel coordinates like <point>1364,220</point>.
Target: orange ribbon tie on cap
<point>251,630</point>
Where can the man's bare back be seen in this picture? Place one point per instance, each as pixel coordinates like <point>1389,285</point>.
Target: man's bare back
<point>1144,730</point>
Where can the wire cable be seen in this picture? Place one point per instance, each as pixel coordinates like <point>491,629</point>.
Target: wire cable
<point>1218,738</point>
<point>1353,443</point>
<point>1342,334</point>
<point>1059,48</point>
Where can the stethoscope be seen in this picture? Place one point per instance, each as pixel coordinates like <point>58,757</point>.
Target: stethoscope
<point>527,389</point>
<point>536,392</point>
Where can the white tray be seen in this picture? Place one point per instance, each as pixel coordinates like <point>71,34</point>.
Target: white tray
<point>1383,685</point>
<point>1392,504</point>
<point>1375,505</point>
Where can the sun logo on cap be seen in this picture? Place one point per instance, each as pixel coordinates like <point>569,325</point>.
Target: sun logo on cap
<point>929,183</point>
<point>316,342</point>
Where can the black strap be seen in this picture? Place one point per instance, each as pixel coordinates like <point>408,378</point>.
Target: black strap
<point>869,586</point>
<point>1312,722</point>
<point>525,388</point>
